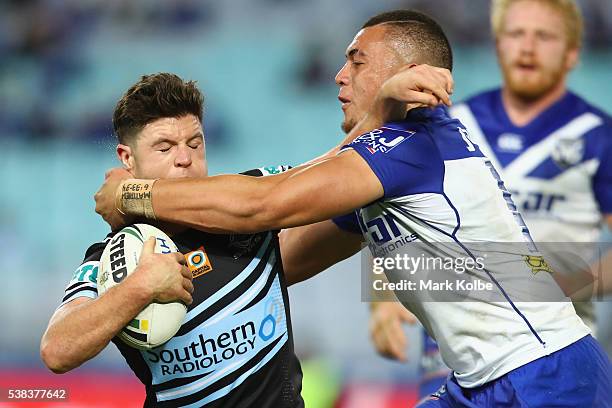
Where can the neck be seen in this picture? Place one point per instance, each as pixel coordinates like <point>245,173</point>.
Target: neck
<point>521,111</point>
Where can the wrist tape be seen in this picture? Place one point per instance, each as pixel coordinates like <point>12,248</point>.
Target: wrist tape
<point>134,197</point>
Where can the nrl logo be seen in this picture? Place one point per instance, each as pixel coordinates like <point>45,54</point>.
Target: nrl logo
<point>103,278</point>
<point>568,152</point>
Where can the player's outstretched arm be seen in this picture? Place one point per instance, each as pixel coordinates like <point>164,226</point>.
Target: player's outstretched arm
<point>80,329</point>
<point>245,204</point>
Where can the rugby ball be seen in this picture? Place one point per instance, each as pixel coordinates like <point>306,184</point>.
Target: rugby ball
<point>158,322</point>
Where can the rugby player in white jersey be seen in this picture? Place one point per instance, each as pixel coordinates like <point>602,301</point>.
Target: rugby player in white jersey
<point>417,177</point>
<point>552,148</point>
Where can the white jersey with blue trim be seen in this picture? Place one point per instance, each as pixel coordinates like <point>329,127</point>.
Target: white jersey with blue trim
<point>441,191</point>
<point>558,167</point>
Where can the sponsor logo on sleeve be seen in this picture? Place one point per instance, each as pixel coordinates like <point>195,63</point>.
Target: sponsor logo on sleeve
<point>380,141</point>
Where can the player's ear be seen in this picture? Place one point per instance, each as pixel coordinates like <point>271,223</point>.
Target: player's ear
<point>125,155</point>
<point>572,57</point>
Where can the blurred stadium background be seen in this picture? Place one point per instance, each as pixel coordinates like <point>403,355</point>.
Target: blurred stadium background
<point>267,68</point>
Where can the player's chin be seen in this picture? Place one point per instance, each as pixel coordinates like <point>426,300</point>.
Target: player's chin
<point>348,124</point>
<point>529,88</point>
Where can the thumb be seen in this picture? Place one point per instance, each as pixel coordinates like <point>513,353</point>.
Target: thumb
<point>407,317</point>
<point>148,247</point>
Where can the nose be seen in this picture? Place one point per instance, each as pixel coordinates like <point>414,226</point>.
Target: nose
<point>183,157</point>
<point>528,43</point>
<point>342,77</point>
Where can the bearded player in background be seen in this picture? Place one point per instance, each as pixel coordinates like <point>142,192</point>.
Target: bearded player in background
<point>553,149</point>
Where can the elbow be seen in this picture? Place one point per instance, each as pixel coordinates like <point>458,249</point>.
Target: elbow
<point>51,356</point>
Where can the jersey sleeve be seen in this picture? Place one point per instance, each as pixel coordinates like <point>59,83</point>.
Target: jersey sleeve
<point>266,171</point>
<point>405,161</point>
<point>348,222</point>
<point>84,280</point>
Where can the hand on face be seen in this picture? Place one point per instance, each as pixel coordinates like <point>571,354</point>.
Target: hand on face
<point>421,85</point>
<point>106,198</point>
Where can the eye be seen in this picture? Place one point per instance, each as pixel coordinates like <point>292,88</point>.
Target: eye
<point>195,145</point>
<point>164,148</point>
<point>514,33</point>
<point>544,36</point>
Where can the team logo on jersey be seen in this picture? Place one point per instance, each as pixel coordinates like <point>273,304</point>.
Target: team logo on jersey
<point>375,141</point>
<point>568,152</point>
<point>198,262</point>
<point>510,142</point>
<point>537,264</point>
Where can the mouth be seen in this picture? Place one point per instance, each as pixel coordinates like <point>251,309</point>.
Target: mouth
<point>526,67</point>
<point>344,101</point>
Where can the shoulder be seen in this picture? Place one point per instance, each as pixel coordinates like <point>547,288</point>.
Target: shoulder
<point>83,282</point>
<point>581,106</point>
<point>402,155</point>
<point>597,123</point>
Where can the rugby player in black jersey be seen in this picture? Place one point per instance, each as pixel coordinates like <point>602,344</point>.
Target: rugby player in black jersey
<point>235,347</point>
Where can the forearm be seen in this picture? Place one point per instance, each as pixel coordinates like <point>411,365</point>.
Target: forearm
<point>79,332</point>
<point>247,204</point>
<point>226,203</point>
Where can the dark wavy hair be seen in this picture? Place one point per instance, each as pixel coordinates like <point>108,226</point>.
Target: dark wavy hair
<point>161,95</point>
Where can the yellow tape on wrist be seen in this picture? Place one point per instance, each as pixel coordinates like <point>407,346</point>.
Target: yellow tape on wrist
<point>134,197</point>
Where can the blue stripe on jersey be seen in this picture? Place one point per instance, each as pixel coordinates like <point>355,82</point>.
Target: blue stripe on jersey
<point>245,298</point>
<point>80,292</point>
<point>266,332</point>
<point>223,321</point>
<point>226,390</point>
<point>233,283</point>
<point>469,253</point>
<point>546,170</point>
